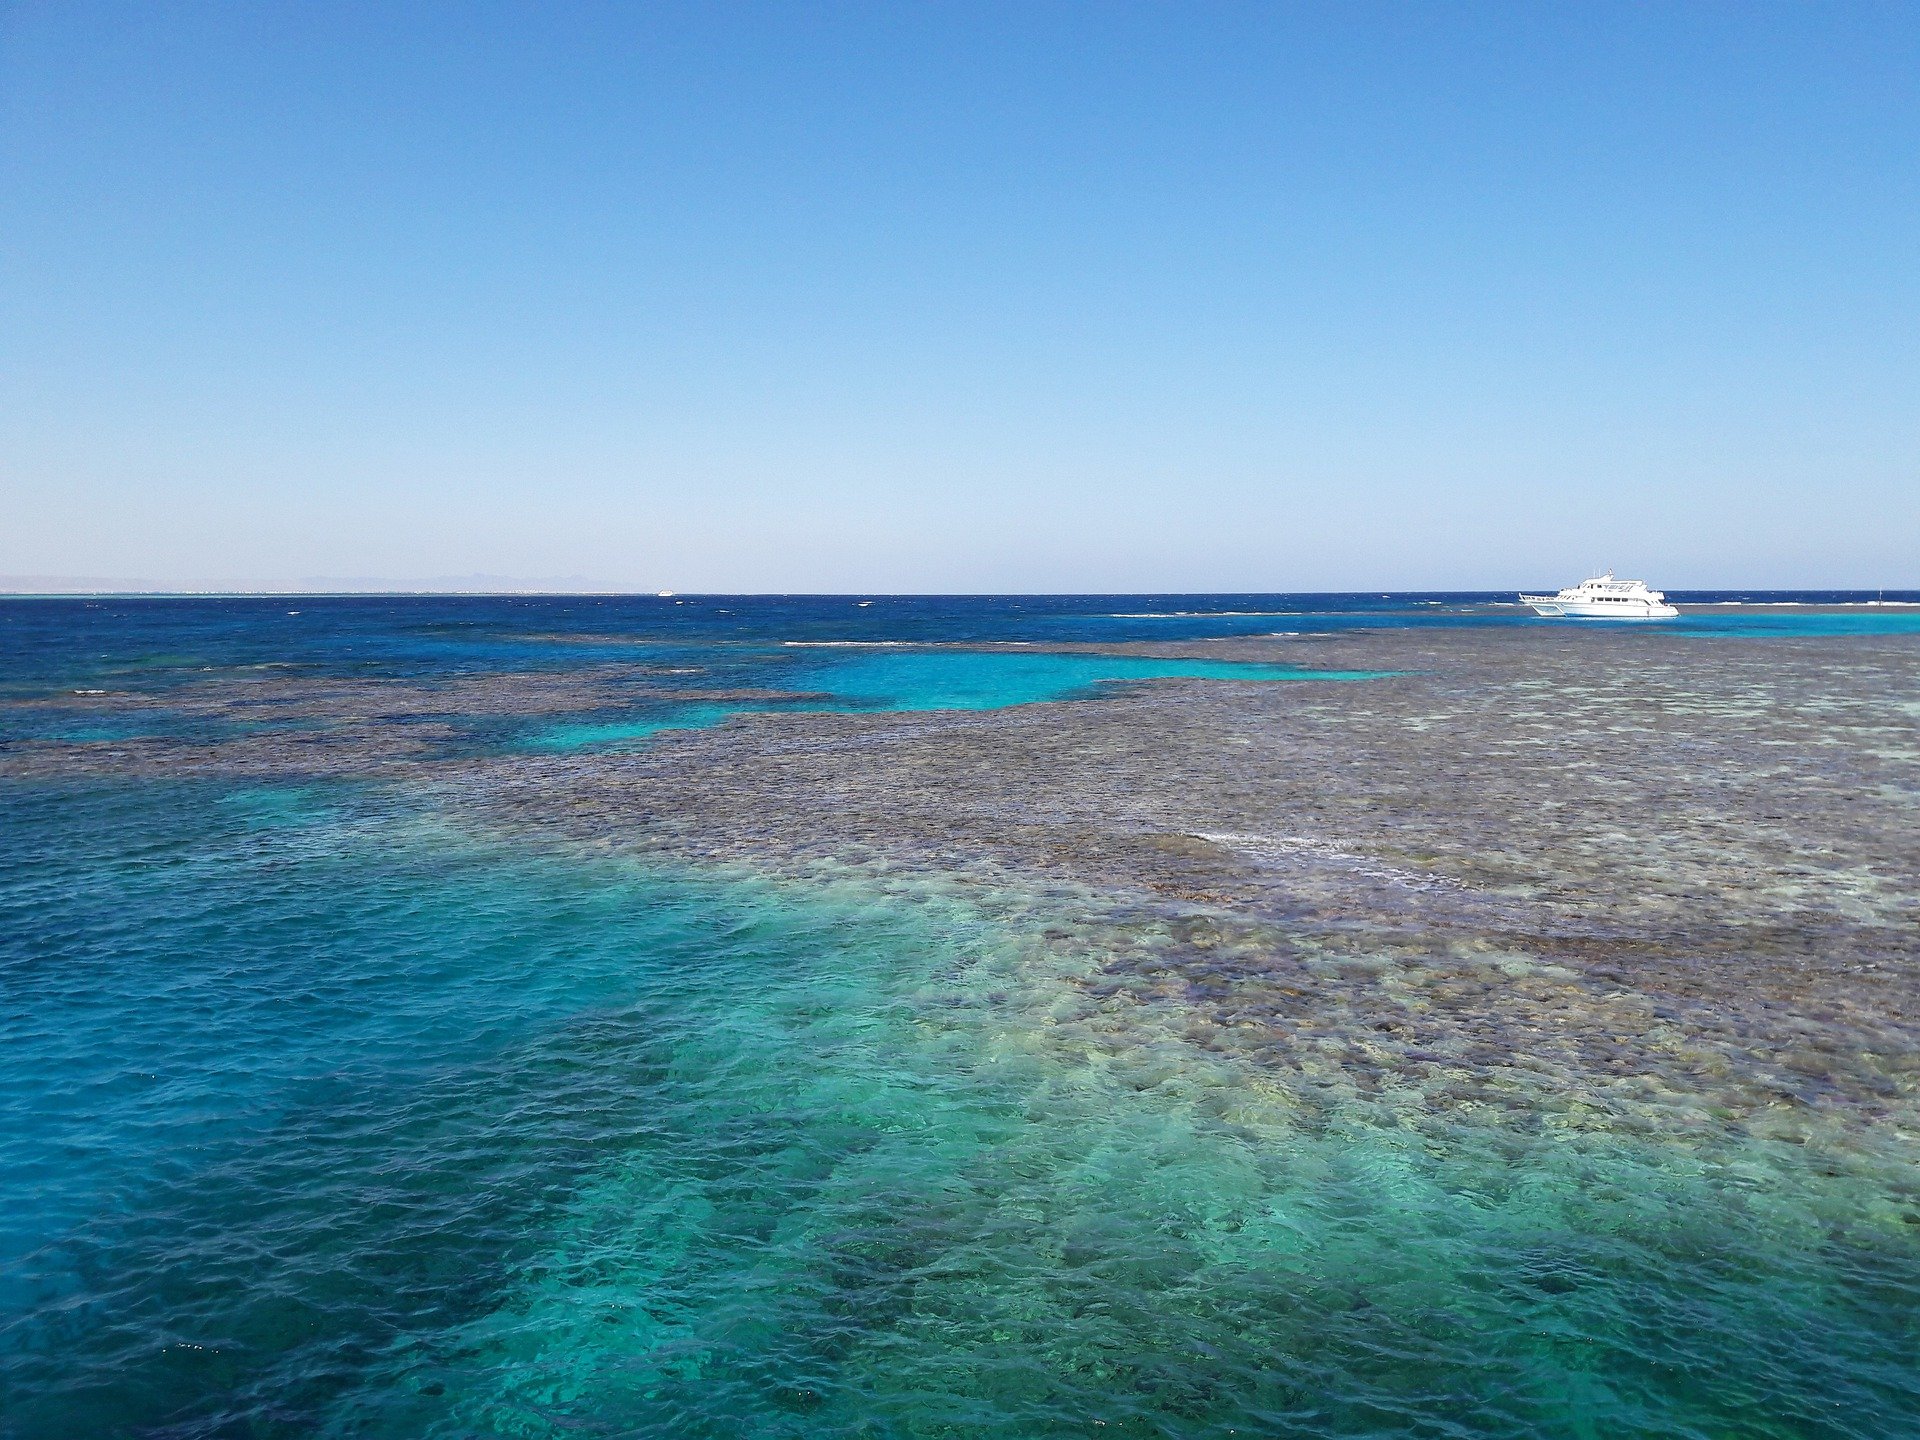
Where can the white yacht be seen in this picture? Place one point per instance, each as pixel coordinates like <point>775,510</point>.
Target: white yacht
<point>1604,598</point>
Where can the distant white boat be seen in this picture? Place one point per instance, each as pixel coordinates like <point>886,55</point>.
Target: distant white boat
<point>1604,598</point>
<point>664,594</point>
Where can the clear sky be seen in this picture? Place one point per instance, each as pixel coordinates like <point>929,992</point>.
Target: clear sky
<point>979,296</point>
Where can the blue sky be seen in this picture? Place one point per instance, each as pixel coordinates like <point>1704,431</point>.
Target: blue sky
<point>962,297</point>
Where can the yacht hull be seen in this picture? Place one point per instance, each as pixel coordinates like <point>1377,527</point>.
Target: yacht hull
<point>1575,610</point>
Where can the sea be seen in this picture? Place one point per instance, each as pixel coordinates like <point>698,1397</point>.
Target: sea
<point>327,1111</point>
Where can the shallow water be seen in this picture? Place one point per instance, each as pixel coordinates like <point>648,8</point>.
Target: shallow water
<point>915,680</point>
<point>962,680</point>
<point>323,1116</point>
<point>327,1109</point>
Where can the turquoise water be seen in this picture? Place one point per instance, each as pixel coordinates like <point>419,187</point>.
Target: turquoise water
<point>339,1120</point>
<point>908,679</point>
<point>628,730</point>
<point>988,680</point>
<point>1772,620</point>
<point>323,1112</point>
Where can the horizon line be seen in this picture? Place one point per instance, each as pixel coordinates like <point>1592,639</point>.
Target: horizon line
<point>157,593</point>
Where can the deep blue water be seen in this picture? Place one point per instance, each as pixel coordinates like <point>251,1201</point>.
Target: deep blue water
<point>323,1112</point>
<point>73,640</point>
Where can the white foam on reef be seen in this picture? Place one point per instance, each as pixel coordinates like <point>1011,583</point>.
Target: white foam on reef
<point>1196,614</point>
<point>844,644</point>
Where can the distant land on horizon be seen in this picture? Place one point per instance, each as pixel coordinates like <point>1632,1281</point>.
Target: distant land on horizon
<point>316,585</point>
<point>54,586</point>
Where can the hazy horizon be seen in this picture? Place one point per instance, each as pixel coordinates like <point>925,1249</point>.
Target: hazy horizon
<point>55,586</point>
